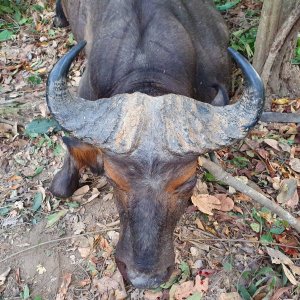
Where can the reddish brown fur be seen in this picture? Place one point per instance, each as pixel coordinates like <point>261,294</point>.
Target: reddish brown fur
<point>185,174</point>
<point>85,155</point>
<point>116,176</point>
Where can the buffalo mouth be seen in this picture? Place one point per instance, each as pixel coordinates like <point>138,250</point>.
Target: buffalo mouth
<point>143,280</point>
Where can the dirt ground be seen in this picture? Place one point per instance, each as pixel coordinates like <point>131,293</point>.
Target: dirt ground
<point>64,249</point>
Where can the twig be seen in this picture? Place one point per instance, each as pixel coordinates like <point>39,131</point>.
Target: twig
<point>240,241</point>
<point>223,176</point>
<point>53,241</point>
<point>11,122</point>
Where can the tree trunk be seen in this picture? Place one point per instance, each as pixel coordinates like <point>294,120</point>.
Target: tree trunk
<point>275,47</point>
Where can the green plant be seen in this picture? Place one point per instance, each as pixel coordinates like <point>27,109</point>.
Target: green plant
<point>244,40</point>
<point>12,16</point>
<point>34,79</point>
<point>296,59</point>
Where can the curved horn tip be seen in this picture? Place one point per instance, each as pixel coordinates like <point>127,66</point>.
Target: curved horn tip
<point>61,68</point>
<point>252,77</point>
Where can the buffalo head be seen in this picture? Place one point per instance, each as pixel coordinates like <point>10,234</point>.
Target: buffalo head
<point>149,148</point>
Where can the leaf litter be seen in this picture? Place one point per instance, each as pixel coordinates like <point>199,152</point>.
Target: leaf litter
<point>29,159</point>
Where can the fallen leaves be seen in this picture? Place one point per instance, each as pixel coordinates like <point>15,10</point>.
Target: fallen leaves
<point>78,194</point>
<point>110,287</point>
<point>207,203</point>
<point>3,276</point>
<point>295,164</point>
<point>289,269</point>
<point>54,218</point>
<point>64,286</point>
<point>189,288</point>
<point>288,192</point>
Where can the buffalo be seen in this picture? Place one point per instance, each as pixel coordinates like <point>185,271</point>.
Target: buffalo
<point>152,98</point>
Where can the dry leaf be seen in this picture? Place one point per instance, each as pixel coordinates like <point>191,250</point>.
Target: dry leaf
<point>206,203</point>
<point>184,290</point>
<point>272,143</point>
<point>108,197</point>
<point>293,202</point>
<point>64,287</point>
<point>227,203</point>
<point>281,101</point>
<point>230,296</point>
<point>199,224</point>
<point>289,275</point>
<point>295,269</point>
<point>151,295</point>
<point>201,187</point>
<point>84,252</point>
<point>287,190</point>
<point>295,164</point>
<point>201,285</point>
<point>280,292</point>
<point>40,269</point>
<point>278,257</point>
<point>79,227</point>
<point>110,288</point>
<point>78,194</point>
<point>3,276</point>
<point>84,282</point>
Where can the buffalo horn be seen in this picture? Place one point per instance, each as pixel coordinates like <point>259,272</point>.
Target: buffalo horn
<point>175,123</point>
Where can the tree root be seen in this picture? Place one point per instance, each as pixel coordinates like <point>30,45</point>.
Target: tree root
<point>279,42</point>
<point>221,175</point>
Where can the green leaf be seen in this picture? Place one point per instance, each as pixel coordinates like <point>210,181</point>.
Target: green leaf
<point>42,126</point>
<point>37,201</point>
<point>38,171</point>
<point>195,296</point>
<point>244,293</point>
<point>265,271</point>
<point>228,5</point>
<point>7,9</point>
<point>26,292</point>
<point>240,161</point>
<point>209,177</point>
<point>227,266</point>
<point>5,35</point>
<point>185,269</point>
<point>72,204</point>
<point>266,238</point>
<point>174,278</point>
<point>38,7</point>
<point>37,298</point>
<point>58,150</point>
<point>277,230</point>
<point>4,211</point>
<point>52,219</point>
<point>255,227</point>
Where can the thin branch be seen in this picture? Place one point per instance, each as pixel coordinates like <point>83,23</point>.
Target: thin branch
<point>221,175</point>
<point>54,241</point>
<point>12,123</point>
<point>240,241</point>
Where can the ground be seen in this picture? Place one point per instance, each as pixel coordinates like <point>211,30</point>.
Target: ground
<point>67,246</point>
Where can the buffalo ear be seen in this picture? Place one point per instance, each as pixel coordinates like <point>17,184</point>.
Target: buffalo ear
<point>84,154</point>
